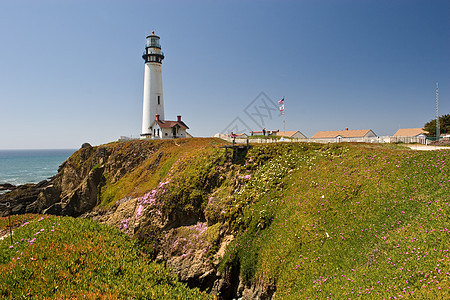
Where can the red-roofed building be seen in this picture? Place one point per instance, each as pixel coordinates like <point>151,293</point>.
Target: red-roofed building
<point>291,134</point>
<point>350,135</point>
<point>411,132</point>
<point>164,129</point>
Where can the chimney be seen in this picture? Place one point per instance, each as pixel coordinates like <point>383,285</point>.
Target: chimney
<point>178,118</point>
<point>157,117</point>
<point>346,129</point>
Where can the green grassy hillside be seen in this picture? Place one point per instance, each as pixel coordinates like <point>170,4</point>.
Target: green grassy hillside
<point>344,221</point>
<point>318,221</point>
<point>66,258</point>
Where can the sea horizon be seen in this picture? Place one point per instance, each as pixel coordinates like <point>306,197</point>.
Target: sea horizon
<point>35,149</point>
<point>21,166</point>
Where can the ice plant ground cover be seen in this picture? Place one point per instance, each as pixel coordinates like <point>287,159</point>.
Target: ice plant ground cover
<point>15,220</point>
<point>62,258</point>
<point>344,222</point>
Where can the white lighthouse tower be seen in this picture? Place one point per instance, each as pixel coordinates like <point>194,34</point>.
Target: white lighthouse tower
<point>153,91</point>
<point>154,125</point>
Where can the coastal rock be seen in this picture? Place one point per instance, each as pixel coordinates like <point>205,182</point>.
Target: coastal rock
<point>80,200</point>
<point>258,292</point>
<point>193,269</point>
<point>21,199</point>
<point>84,197</point>
<point>75,190</point>
<point>6,187</point>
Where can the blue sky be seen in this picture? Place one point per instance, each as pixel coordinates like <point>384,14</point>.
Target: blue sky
<point>72,72</point>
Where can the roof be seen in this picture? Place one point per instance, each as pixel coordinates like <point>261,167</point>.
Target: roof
<point>343,133</point>
<point>410,132</point>
<point>288,133</point>
<point>170,124</point>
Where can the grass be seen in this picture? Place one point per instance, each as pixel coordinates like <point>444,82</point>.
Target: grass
<point>345,221</point>
<point>61,258</point>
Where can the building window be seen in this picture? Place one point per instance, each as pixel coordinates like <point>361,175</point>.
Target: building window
<point>159,100</point>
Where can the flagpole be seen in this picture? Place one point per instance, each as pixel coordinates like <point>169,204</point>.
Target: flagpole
<point>284,121</point>
<point>281,102</point>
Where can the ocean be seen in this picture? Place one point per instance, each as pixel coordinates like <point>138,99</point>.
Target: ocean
<point>30,166</point>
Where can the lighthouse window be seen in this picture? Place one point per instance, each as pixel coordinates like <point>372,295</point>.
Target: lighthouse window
<point>159,100</point>
<point>153,42</point>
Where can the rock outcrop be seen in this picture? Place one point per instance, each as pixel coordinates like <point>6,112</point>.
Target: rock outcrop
<point>75,189</point>
<point>6,187</point>
<point>22,198</point>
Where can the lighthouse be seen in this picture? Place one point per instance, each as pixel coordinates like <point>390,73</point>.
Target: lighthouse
<point>153,91</point>
<point>154,125</point>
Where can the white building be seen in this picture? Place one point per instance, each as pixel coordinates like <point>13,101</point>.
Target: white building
<point>162,129</point>
<point>411,132</point>
<point>291,134</point>
<point>154,124</point>
<point>360,135</point>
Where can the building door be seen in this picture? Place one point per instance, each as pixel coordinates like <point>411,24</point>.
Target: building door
<point>174,131</point>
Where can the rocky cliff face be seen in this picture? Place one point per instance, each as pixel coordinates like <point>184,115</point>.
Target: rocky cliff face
<point>75,189</point>
<point>168,194</point>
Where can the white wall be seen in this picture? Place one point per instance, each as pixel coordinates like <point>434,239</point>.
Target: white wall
<point>166,133</point>
<point>152,89</point>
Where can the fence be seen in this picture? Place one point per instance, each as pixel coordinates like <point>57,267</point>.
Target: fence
<point>371,140</point>
<point>409,139</point>
<point>378,139</point>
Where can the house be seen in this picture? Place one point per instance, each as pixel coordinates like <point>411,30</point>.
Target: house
<point>163,129</point>
<point>347,135</point>
<point>411,132</point>
<point>265,132</point>
<point>241,135</point>
<point>291,134</point>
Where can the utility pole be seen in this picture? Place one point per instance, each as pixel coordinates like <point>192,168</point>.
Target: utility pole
<point>438,127</point>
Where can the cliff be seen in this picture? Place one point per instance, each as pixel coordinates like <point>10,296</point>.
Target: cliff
<point>126,185</point>
<point>284,220</point>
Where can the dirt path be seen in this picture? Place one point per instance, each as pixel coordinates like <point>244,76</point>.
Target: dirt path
<point>427,147</point>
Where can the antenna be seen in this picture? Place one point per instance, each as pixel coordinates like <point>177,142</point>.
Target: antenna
<point>438,127</point>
